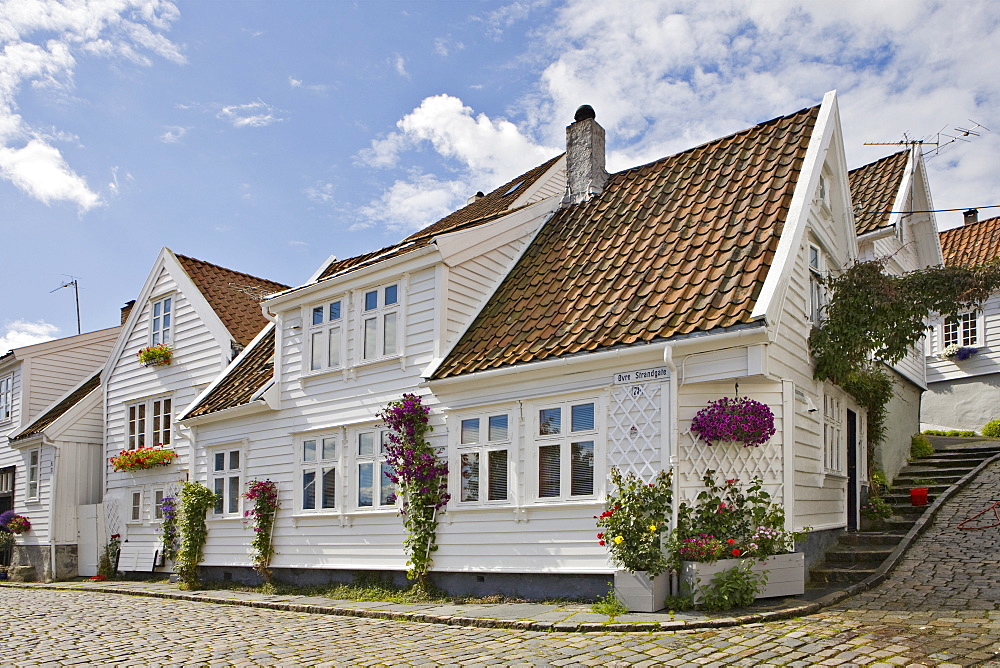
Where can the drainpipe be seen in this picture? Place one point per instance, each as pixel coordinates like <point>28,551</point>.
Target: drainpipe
<point>668,359</point>
<point>53,492</point>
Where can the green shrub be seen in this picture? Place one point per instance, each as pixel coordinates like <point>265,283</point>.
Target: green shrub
<point>876,509</point>
<point>609,605</point>
<point>920,446</point>
<point>964,433</point>
<point>733,588</point>
<point>879,483</point>
<point>992,429</point>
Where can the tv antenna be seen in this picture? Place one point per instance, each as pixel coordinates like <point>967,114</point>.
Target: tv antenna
<point>938,142</point>
<point>75,282</point>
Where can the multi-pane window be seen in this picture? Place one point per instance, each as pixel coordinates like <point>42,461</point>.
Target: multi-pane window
<point>484,447</point>
<point>6,397</point>
<point>7,480</point>
<point>817,293</point>
<point>326,336</point>
<point>319,473</point>
<point>34,466</point>
<point>962,330</point>
<point>135,513</point>
<point>227,480</point>
<point>158,504</point>
<point>149,423</point>
<point>380,322</point>
<point>564,441</point>
<point>375,488</point>
<point>833,422</point>
<point>160,321</point>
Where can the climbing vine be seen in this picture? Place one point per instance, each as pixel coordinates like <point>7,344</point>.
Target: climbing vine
<point>421,479</point>
<point>168,530</point>
<point>874,318</point>
<point>264,494</point>
<point>196,499</point>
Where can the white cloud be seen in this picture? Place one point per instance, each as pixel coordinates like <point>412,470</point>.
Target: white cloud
<point>173,134</point>
<point>399,64</point>
<point>321,193</point>
<point>445,46</point>
<point>315,88</point>
<point>20,333</point>
<point>295,242</point>
<point>256,114</point>
<point>412,204</point>
<point>42,41</point>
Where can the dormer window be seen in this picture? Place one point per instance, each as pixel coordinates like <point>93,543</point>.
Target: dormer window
<point>380,322</point>
<point>326,336</point>
<point>160,321</point>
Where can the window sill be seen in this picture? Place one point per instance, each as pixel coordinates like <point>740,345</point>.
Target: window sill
<point>835,475</point>
<point>225,518</point>
<point>321,373</point>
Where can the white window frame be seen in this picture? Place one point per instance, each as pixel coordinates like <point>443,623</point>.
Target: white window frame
<point>834,434</point>
<point>565,439</point>
<point>221,480</point>
<point>7,480</point>
<point>161,320</point>
<point>159,493</point>
<point>312,451</point>
<point>6,397</point>
<point>135,506</point>
<point>816,300</point>
<point>374,321</point>
<point>149,423</point>
<point>326,324</point>
<point>486,441</point>
<point>32,490</point>
<point>969,330</point>
<point>375,440</point>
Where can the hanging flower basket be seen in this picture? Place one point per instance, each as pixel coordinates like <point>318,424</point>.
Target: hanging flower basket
<point>142,459</point>
<point>740,419</point>
<point>158,355</point>
<point>957,353</point>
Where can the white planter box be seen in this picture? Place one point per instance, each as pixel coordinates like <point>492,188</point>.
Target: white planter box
<point>786,574</point>
<point>639,592</point>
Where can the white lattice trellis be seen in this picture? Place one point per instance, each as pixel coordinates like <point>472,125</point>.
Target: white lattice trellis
<point>634,429</point>
<point>113,523</point>
<point>729,460</point>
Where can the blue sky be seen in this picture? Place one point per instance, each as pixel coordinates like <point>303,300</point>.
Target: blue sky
<point>266,136</point>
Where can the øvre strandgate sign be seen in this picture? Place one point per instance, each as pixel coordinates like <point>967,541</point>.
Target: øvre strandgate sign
<point>641,375</point>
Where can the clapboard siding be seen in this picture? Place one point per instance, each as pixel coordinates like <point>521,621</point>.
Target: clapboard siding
<point>986,361</point>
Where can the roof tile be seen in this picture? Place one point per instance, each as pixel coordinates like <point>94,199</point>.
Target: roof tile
<point>971,245</point>
<point>873,190</point>
<point>60,409</point>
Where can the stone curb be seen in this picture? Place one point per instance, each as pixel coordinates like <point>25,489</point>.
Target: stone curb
<point>870,582</point>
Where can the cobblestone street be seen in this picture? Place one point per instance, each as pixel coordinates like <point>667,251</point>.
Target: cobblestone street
<point>939,607</point>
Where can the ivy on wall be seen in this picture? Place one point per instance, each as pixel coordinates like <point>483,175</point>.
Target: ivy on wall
<point>196,499</point>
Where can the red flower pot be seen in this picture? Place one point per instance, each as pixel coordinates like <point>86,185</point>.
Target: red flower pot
<point>918,496</point>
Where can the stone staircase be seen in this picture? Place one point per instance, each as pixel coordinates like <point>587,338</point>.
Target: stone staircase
<point>858,554</point>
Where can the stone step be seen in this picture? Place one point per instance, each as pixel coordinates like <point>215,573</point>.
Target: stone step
<point>870,538</point>
<point>941,463</point>
<point>903,499</point>
<point>872,555</point>
<point>906,481</point>
<point>897,524</point>
<point>846,573</point>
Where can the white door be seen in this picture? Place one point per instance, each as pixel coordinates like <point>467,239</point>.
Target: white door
<point>89,533</point>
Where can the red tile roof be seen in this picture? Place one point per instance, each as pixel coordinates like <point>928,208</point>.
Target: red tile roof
<point>677,246</point>
<point>874,188</point>
<point>233,295</point>
<point>244,380</point>
<point>971,245</point>
<point>60,409</point>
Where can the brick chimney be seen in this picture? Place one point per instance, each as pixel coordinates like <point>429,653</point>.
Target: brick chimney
<point>126,310</point>
<point>971,216</point>
<point>585,173</point>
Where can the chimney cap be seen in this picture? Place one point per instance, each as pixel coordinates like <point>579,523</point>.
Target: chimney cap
<point>585,111</point>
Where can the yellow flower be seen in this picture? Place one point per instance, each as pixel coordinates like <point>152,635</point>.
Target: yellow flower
<point>619,540</point>
<point>652,527</point>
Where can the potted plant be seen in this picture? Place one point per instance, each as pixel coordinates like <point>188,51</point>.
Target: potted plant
<point>740,420</point>
<point>957,353</point>
<point>142,458</point>
<point>14,523</point>
<point>874,513</point>
<point>159,355</point>
<point>632,529</point>
<point>730,526</point>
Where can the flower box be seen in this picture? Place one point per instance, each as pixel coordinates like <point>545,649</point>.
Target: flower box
<point>641,593</point>
<point>786,574</point>
<point>158,355</point>
<point>142,459</point>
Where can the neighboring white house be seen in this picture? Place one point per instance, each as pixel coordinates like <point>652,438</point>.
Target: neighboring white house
<point>965,393</point>
<point>556,334</point>
<point>895,222</point>
<point>51,387</point>
<point>206,314</point>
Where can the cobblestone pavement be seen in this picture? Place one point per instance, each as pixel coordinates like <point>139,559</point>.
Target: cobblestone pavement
<point>940,607</point>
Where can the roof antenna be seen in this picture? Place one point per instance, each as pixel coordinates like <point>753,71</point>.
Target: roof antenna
<point>939,141</point>
<point>76,290</point>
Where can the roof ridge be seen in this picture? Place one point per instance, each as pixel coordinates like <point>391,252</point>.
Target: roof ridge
<point>232,271</point>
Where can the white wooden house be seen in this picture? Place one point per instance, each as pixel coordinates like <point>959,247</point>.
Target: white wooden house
<point>895,223</point>
<point>616,307</point>
<point>49,450</point>
<point>206,314</point>
<point>965,393</point>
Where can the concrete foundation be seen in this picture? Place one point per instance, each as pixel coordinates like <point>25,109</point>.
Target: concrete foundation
<point>965,404</point>
<point>39,557</point>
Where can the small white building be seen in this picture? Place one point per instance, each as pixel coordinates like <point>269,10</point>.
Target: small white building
<point>557,327</point>
<point>964,389</point>
<point>49,451</point>
<point>206,314</point>
<point>895,222</point>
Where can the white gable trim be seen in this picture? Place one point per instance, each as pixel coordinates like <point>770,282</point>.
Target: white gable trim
<point>826,135</point>
<point>540,182</point>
